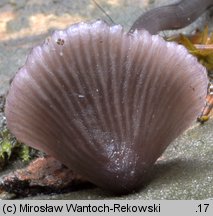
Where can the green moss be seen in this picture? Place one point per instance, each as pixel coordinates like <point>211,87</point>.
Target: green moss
<point>6,145</point>
<point>10,148</point>
<point>25,153</point>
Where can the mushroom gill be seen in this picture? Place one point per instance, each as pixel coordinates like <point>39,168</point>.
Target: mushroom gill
<point>104,102</point>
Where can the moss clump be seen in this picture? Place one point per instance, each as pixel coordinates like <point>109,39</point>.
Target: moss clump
<point>10,148</point>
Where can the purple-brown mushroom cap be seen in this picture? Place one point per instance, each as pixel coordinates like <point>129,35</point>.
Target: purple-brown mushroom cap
<point>104,102</point>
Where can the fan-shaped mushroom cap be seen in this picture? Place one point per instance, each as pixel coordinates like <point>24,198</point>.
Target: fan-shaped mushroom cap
<point>104,102</point>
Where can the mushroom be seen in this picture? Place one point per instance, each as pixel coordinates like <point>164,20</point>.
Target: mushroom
<point>172,16</point>
<point>104,102</point>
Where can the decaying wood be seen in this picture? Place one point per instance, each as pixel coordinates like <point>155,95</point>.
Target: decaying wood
<point>43,175</point>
